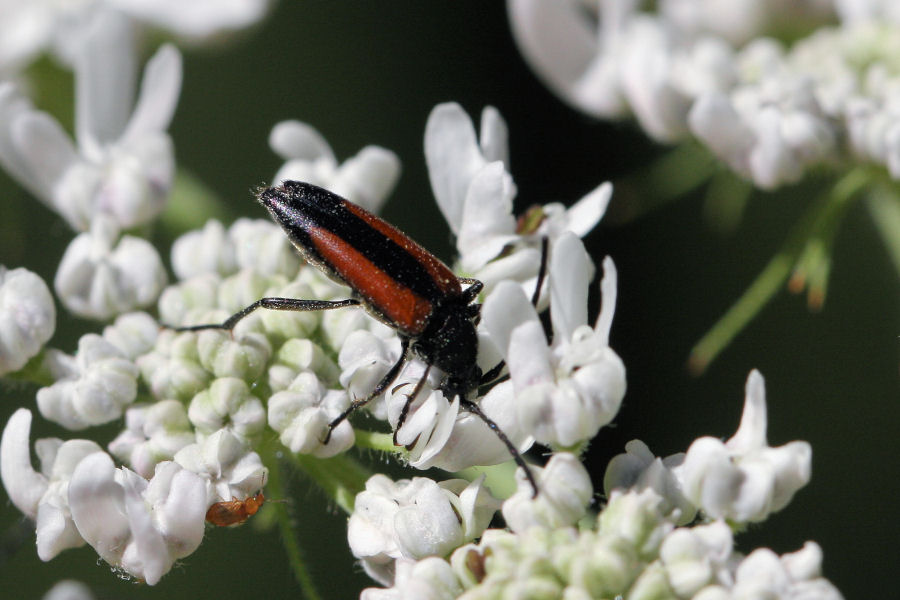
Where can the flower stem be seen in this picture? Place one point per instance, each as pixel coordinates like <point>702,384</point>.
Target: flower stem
<point>814,228</point>
<point>884,206</point>
<point>376,441</point>
<point>678,172</point>
<point>294,552</point>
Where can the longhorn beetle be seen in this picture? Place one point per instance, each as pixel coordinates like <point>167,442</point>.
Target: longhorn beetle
<point>396,281</point>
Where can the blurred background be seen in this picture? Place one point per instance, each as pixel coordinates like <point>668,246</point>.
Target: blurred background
<point>369,73</point>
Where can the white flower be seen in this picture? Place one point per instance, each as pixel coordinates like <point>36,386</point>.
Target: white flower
<point>153,433</point>
<point>415,518</point>
<point>690,67</point>
<point>365,359</point>
<point>206,250</point>
<point>42,496</point>
<point>565,491</point>
<point>228,403</point>
<point>744,479</point>
<point>439,433</point>
<point>27,317</point>
<point>172,369</point>
<point>565,392</point>
<point>28,28</point>
<point>365,179</point>
<point>301,414</point>
<point>763,574</point>
<point>639,469</point>
<point>69,589</point>
<point>474,190</point>
<point>261,245</point>
<point>138,526</point>
<point>431,578</point>
<point>123,165</point>
<point>101,275</point>
<point>98,383</point>
<point>248,243</point>
<point>133,334</point>
<point>196,19</point>
<point>230,468</point>
<point>696,557</point>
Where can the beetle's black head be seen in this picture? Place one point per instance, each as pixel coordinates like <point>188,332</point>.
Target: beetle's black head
<point>451,344</point>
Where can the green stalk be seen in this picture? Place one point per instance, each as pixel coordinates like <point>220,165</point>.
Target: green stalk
<point>884,207</point>
<point>383,442</point>
<point>275,487</point>
<point>817,220</point>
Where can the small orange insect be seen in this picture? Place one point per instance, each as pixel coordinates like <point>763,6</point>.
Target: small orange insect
<point>234,511</point>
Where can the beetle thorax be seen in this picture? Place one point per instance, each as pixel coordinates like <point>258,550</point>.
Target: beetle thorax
<point>450,343</point>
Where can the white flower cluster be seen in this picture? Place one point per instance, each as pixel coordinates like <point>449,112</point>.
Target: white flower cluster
<point>742,480</point>
<point>30,28</point>
<point>639,546</point>
<point>211,395</point>
<point>706,68</point>
<point>116,175</point>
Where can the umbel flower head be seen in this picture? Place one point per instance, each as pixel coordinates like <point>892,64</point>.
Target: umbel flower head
<point>639,545</point>
<point>197,407</point>
<point>201,410</point>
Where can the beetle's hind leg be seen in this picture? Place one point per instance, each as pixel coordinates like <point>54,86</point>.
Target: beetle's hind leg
<point>294,304</point>
<point>387,380</point>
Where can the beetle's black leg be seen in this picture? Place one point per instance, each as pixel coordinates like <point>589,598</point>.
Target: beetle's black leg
<point>542,271</point>
<point>273,304</point>
<point>476,410</point>
<point>387,380</point>
<point>409,400</point>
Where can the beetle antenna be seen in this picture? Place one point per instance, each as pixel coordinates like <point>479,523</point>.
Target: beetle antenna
<point>476,410</point>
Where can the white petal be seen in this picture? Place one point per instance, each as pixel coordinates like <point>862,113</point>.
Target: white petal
<point>159,93</point>
<point>27,317</point>
<point>505,309</point>
<point>199,18</point>
<point>368,178</point>
<point>556,38</point>
<point>570,273</point>
<point>453,157</point>
<point>97,502</point>
<point>494,134</point>
<point>609,287</point>
<point>104,82</point>
<point>565,492</point>
<point>751,434</point>
<point>299,141</point>
<point>47,149</point>
<point>587,212</point>
<point>487,223</point>
<point>23,484</point>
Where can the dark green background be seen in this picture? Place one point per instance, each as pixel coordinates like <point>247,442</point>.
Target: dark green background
<point>369,73</point>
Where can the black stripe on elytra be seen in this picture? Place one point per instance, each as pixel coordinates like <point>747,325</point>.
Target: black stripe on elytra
<point>299,206</point>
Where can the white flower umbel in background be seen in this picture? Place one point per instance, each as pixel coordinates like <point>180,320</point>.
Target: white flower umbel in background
<point>780,92</point>
<point>117,177</point>
<point>29,28</point>
<point>473,187</point>
<point>123,164</point>
<point>27,317</point>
